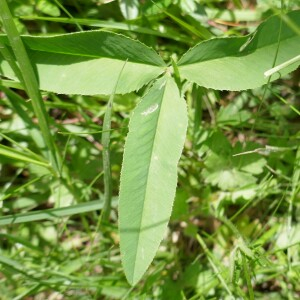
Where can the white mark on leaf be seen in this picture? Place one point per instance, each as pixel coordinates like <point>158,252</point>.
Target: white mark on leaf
<point>150,110</point>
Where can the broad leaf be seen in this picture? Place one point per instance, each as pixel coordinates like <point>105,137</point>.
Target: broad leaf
<point>149,174</point>
<point>89,62</point>
<point>240,63</point>
<point>235,113</point>
<point>227,171</point>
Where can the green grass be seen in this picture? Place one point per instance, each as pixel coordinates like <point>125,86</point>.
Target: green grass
<point>234,230</point>
<point>27,77</point>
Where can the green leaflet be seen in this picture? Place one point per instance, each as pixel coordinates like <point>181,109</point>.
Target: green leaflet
<point>240,63</point>
<point>149,174</point>
<point>89,62</point>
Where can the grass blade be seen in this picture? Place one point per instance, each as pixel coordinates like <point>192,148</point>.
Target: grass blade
<point>212,263</point>
<point>68,14</point>
<point>247,277</point>
<point>29,80</point>
<point>106,153</point>
<point>21,156</point>
<point>167,33</point>
<point>11,84</point>
<point>51,214</point>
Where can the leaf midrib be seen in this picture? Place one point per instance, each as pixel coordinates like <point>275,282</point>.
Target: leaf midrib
<point>96,57</point>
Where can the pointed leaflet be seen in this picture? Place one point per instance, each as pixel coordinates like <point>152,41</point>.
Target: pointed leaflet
<point>89,62</point>
<point>240,63</point>
<point>149,174</point>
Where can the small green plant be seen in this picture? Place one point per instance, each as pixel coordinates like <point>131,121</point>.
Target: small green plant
<point>100,62</point>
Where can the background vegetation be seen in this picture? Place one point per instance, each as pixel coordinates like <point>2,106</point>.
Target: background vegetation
<point>234,230</point>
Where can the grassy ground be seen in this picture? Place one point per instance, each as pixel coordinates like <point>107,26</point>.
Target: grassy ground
<point>234,231</point>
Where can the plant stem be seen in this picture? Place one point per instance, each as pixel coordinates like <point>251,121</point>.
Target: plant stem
<point>105,140</point>
<point>106,160</point>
